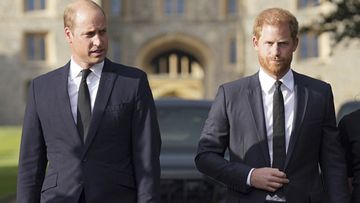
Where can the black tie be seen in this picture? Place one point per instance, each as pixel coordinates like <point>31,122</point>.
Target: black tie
<point>279,150</point>
<point>84,106</point>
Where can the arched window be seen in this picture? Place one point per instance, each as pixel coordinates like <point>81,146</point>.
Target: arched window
<point>176,63</point>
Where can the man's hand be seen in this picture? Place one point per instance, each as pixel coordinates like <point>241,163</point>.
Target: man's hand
<point>269,179</point>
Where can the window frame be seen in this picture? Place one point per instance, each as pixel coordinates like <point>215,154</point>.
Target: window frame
<point>38,52</point>
<point>231,10</point>
<point>172,7</point>
<point>35,5</point>
<point>303,4</point>
<point>309,46</point>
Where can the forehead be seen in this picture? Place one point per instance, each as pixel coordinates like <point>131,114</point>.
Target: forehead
<point>92,18</point>
<point>275,31</point>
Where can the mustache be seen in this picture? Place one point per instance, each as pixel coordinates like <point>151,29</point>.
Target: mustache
<point>276,58</point>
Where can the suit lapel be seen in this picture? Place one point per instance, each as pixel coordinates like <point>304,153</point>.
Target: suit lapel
<point>301,100</point>
<point>63,102</point>
<point>105,87</point>
<point>257,108</point>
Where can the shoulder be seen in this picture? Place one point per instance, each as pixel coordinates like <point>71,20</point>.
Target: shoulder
<point>310,81</point>
<point>123,70</point>
<point>350,118</point>
<point>244,83</point>
<point>53,74</point>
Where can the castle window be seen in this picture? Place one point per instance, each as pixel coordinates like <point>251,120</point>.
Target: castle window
<point>115,54</point>
<point>232,51</point>
<point>231,7</point>
<point>33,5</point>
<point>174,7</point>
<point>35,46</point>
<point>176,63</point>
<point>308,3</point>
<point>308,46</point>
<point>116,7</point>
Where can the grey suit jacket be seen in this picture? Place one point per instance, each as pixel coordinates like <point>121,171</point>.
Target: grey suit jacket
<point>236,123</point>
<point>119,162</point>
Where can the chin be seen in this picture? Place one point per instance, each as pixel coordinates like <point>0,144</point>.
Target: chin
<point>98,59</point>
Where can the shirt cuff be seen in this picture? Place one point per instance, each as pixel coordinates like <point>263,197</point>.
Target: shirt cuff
<point>248,177</point>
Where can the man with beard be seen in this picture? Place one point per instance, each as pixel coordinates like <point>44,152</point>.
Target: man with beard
<point>278,126</point>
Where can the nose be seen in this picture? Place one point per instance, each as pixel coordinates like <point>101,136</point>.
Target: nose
<point>275,50</point>
<point>97,40</point>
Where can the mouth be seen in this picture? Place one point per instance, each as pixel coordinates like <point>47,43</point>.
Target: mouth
<point>98,52</point>
<point>276,61</point>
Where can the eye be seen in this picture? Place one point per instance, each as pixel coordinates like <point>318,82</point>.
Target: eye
<point>89,34</point>
<point>283,44</point>
<point>102,32</point>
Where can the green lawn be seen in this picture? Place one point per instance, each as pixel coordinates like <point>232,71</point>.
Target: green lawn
<point>9,154</point>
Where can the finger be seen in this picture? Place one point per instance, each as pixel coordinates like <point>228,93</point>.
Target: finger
<point>278,173</point>
<point>271,188</point>
<point>275,185</point>
<point>281,180</point>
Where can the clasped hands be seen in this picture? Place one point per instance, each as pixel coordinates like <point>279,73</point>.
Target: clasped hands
<point>269,179</point>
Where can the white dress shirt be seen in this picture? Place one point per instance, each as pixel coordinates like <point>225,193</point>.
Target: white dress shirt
<point>287,89</point>
<point>267,84</point>
<point>74,80</point>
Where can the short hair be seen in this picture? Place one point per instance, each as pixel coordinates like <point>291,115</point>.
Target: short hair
<point>70,10</point>
<point>275,16</point>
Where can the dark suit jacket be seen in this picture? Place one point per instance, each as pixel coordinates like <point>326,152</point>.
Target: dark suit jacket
<point>119,162</point>
<point>236,122</point>
<point>350,136</point>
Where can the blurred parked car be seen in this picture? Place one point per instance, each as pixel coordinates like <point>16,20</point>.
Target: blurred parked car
<point>181,122</point>
<point>347,108</point>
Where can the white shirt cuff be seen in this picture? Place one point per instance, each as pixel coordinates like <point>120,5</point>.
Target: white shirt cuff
<point>248,177</point>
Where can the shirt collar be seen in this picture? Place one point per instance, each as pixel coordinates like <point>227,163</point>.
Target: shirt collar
<point>75,69</point>
<point>267,82</point>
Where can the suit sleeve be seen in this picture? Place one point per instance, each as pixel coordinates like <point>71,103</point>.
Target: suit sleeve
<point>332,157</point>
<point>32,161</point>
<point>213,143</point>
<point>146,145</point>
<point>344,136</point>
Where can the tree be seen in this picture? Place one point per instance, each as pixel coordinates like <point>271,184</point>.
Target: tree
<point>343,22</point>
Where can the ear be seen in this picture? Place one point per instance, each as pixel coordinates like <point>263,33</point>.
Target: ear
<point>255,42</point>
<point>296,42</point>
<point>68,34</point>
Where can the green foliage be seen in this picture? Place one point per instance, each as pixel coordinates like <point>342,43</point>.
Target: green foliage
<point>8,181</point>
<point>344,22</point>
<point>9,154</point>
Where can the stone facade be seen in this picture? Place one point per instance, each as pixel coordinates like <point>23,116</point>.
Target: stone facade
<point>143,31</point>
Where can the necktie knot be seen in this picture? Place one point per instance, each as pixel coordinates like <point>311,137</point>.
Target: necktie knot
<point>278,84</point>
<point>85,73</point>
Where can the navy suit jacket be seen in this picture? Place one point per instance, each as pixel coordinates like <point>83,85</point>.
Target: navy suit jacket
<point>236,123</point>
<point>119,162</point>
<point>350,135</point>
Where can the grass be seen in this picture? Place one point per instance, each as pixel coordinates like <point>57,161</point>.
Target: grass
<point>9,155</point>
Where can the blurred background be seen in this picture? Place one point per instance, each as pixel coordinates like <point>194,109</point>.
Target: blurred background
<point>187,47</point>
